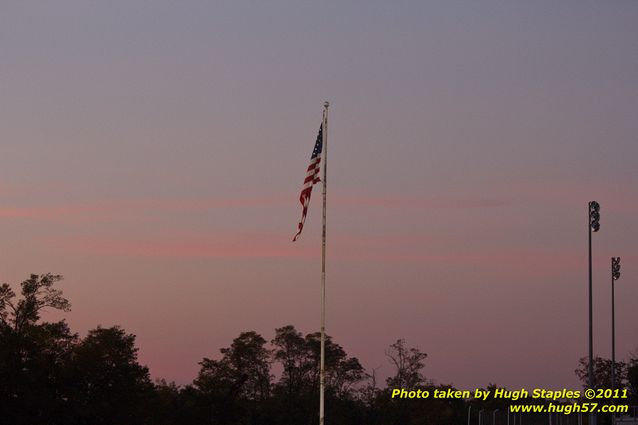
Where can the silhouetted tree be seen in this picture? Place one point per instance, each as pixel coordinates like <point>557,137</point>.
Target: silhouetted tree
<point>32,354</point>
<point>602,372</point>
<point>342,372</point>
<point>164,405</point>
<point>37,293</point>
<point>239,382</point>
<point>408,363</point>
<point>291,351</point>
<point>49,376</point>
<point>109,386</point>
<point>296,395</point>
<point>632,377</point>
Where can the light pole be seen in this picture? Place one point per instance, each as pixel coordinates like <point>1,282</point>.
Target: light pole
<point>593,225</point>
<point>615,275</point>
<point>494,416</point>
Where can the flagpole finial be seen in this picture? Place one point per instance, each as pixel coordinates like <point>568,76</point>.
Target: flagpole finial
<point>326,104</point>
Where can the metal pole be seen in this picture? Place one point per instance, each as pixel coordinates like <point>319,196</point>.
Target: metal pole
<point>613,333</point>
<point>615,274</point>
<point>322,371</point>
<point>592,418</point>
<point>469,410</point>
<point>591,333</point>
<point>613,341</point>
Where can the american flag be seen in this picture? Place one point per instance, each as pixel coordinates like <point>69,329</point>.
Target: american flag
<point>312,177</point>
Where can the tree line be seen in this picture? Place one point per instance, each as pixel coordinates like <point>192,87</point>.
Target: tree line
<point>49,376</point>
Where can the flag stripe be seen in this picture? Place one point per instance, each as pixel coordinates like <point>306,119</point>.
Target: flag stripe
<point>312,177</point>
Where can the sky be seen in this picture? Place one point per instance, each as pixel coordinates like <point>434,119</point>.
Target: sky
<point>153,154</point>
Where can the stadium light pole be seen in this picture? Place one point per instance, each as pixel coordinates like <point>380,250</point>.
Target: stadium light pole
<point>615,275</point>
<point>593,225</point>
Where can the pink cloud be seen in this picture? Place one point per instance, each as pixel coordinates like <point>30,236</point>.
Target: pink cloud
<point>46,212</point>
<point>567,192</point>
<point>367,248</point>
<point>403,202</point>
<point>123,208</point>
<point>224,246</point>
<point>116,209</point>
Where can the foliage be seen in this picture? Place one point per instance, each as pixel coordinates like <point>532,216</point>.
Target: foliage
<point>104,373</point>
<point>632,377</point>
<point>33,355</point>
<point>37,294</point>
<point>50,376</point>
<point>408,362</point>
<point>602,372</point>
<point>295,394</point>
<point>239,381</point>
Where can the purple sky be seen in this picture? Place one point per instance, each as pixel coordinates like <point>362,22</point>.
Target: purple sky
<point>153,153</point>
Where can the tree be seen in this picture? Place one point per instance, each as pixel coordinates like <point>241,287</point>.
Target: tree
<point>632,377</point>
<point>296,393</point>
<point>292,352</point>
<point>37,294</point>
<point>109,385</point>
<point>602,372</point>
<point>300,358</point>
<point>243,371</point>
<point>240,381</point>
<point>342,372</point>
<point>408,363</point>
<point>32,354</point>
<point>164,407</point>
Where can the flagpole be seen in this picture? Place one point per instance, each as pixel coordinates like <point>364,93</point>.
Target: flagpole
<point>322,371</point>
